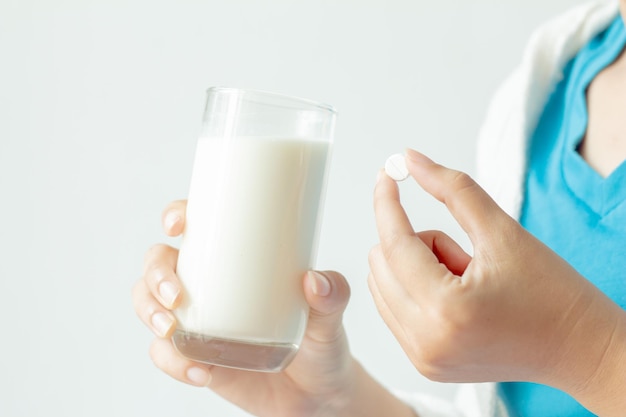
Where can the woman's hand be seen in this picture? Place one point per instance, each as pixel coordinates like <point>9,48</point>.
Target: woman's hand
<point>322,380</point>
<point>514,311</point>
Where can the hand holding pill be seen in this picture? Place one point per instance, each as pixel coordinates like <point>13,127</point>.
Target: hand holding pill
<point>464,317</point>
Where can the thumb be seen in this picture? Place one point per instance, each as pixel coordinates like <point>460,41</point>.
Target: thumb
<point>327,293</point>
<point>469,204</point>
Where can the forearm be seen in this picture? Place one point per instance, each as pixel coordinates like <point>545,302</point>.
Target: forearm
<point>370,399</point>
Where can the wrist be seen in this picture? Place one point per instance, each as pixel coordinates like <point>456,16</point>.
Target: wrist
<point>367,397</point>
<point>593,363</point>
<point>604,392</point>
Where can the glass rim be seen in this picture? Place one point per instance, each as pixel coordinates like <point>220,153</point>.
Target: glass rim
<point>279,96</point>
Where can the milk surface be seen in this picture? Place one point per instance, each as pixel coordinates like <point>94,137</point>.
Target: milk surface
<point>251,234</point>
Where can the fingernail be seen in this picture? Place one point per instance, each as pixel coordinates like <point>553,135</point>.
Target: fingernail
<point>168,292</point>
<point>199,376</point>
<point>321,285</point>
<point>162,323</point>
<point>171,219</point>
<point>418,157</point>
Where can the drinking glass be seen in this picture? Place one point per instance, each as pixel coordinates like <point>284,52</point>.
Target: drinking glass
<point>252,223</point>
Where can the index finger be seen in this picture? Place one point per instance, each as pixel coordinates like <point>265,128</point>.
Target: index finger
<point>173,217</point>
<point>471,206</point>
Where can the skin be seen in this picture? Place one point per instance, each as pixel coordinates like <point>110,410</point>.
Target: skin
<point>512,311</point>
<point>495,316</point>
<point>604,145</point>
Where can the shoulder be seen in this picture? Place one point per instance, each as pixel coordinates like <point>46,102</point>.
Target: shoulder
<point>517,105</point>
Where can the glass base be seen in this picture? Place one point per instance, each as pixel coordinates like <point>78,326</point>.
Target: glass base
<point>263,357</point>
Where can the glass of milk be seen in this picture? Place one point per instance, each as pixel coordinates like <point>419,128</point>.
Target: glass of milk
<point>253,218</point>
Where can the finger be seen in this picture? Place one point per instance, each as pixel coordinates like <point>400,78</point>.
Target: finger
<point>166,358</point>
<point>158,319</point>
<point>393,292</point>
<point>471,206</point>
<point>447,251</point>
<point>392,301</point>
<point>412,262</point>
<point>173,217</point>
<point>327,293</point>
<point>389,287</point>
<point>385,312</point>
<point>160,276</point>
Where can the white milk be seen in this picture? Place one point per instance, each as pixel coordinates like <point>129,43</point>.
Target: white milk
<point>251,234</point>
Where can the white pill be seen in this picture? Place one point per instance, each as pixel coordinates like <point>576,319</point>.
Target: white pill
<point>395,167</point>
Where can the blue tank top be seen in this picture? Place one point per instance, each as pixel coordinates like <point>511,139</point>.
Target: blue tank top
<point>571,208</point>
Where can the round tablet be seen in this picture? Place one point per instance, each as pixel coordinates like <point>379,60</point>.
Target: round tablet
<point>395,167</point>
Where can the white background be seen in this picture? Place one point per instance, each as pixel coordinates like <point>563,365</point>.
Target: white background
<point>100,104</point>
